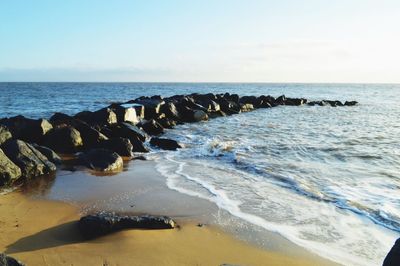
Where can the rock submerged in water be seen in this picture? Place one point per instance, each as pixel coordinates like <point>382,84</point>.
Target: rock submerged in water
<point>152,127</point>
<point>9,261</point>
<point>101,160</point>
<point>165,144</point>
<point>92,226</point>
<point>393,257</point>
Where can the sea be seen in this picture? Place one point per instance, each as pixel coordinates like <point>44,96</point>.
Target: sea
<point>325,178</point>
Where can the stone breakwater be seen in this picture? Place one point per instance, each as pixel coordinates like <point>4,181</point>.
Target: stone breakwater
<point>100,140</point>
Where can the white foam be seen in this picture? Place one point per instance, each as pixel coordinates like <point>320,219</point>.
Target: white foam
<point>342,250</point>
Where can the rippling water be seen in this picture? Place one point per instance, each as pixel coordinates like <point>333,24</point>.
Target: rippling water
<point>325,178</point>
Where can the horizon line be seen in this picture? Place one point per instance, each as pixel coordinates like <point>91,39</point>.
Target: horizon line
<point>212,82</point>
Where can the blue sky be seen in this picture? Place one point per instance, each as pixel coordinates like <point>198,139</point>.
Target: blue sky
<point>231,41</point>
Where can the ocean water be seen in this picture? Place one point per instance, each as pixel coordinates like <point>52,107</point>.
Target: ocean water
<point>326,178</point>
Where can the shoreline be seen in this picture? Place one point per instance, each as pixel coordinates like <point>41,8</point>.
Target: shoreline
<point>210,244</point>
<point>44,232</point>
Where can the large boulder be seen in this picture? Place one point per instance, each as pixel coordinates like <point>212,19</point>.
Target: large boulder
<point>9,171</point>
<point>165,144</point>
<point>152,127</point>
<point>151,106</point>
<point>9,261</point>
<point>170,111</point>
<point>100,224</point>
<point>49,153</point>
<point>125,113</point>
<point>253,100</point>
<point>191,112</point>
<point>281,100</point>
<point>64,139</point>
<point>5,134</point>
<point>104,116</point>
<point>231,97</point>
<point>350,103</point>
<point>127,130</point>
<point>199,115</point>
<point>228,107</point>
<point>122,146</point>
<point>393,257</point>
<point>101,160</point>
<point>90,136</point>
<point>166,122</point>
<point>131,132</point>
<point>30,130</point>
<point>266,101</point>
<point>31,161</point>
<point>295,101</point>
<point>60,118</point>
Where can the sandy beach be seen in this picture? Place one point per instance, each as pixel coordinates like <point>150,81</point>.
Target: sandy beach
<point>41,232</point>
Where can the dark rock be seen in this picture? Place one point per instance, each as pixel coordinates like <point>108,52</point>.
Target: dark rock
<point>216,114</point>
<point>166,122</point>
<point>91,137</point>
<point>5,134</point>
<point>165,144</point>
<point>141,158</point>
<point>210,106</point>
<point>60,118</point>
<point>170,111</point>
<point>31,162</point>
<point>100,224</point>
<point>151,106</point>
<point>231,97</point>
<point>30,130</point>
<point>203,97</point>
<point>125,113</point>
<point>253,100</point>
<point>280,100</point>
<point>295,101</point>
<point>319,103</point>
<point>49,153</point>
<point>103,116</point>
<point>200,115</point>
<point>64,140</point>
<point>122,146</point>
<point>127,130</point>
<point>229,107</point>
<point>9,261</point>
<point>350,103</point>
<point>266,101</point>
<point>191,112</point>
<point>131,132</point>
<point>152,127</point>
<point>9,172</point>
<point>393,257</point>
<point>101,160</point>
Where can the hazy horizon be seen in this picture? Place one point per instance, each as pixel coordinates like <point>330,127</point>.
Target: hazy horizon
<point>315,41</point>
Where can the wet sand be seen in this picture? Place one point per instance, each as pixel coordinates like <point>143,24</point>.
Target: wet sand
<point>41,232</point>
<point>38,225</point>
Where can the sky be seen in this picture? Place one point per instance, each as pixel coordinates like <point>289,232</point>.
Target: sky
<point>200,41</point>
